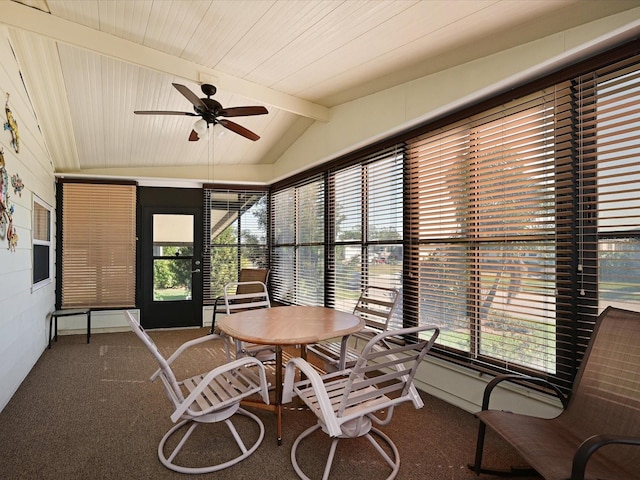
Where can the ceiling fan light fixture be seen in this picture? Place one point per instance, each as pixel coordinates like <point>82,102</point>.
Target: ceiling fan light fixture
<point>200,127</point>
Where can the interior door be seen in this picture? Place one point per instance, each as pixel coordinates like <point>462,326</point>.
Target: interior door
<point>172,267</point>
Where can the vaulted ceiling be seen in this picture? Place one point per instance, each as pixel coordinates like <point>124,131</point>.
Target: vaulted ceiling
<point>89,64</point>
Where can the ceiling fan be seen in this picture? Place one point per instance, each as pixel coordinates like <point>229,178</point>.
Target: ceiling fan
<point>210,110</point>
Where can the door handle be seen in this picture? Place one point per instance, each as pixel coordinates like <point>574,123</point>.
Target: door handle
<point>197,270</point>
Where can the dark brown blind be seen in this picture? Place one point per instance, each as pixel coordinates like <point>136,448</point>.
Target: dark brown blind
<point>98,245</point>
<point>235,230</point>
<point>298,250</point>
<point>483,229</point>
<point>365,228</point>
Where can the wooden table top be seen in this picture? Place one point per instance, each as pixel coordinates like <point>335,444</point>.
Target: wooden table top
<point>290,325</point>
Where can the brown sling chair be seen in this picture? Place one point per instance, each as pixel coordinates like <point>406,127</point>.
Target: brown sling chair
<point>597,435</point>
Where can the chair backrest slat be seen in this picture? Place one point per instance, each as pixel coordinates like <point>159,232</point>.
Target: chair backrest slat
<point>384,367</point>
<point>362,396</point>
<point>377,381</point>
<point>258,297</point>
<point>375,306</point>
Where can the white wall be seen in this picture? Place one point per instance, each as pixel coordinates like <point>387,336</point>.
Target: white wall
<point>23,313</point>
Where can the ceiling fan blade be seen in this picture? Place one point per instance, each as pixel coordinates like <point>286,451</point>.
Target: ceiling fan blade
<point>193,136</point>
<point>189,95</point>
<point>163,112</point>
<point>242,111</point>
<point>239,129</point>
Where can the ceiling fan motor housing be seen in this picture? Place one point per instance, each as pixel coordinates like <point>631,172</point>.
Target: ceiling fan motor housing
<point>212,110</point>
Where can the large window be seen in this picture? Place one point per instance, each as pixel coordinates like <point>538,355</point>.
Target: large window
<point>525,223</point>
<point>235,226</point>
<point>512,225</point>
<point>98,254</point>
<point>298,237</point>
<point>484,230</point>
<point>41,239</point>
<point>608,227</point>
<point>365,228</point>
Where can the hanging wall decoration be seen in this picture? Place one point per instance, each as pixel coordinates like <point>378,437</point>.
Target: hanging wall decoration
<point>12,236</point>
<point>16,183</point>
<point>12,126</point>
<point>4,190</point>
<point>6,209</point>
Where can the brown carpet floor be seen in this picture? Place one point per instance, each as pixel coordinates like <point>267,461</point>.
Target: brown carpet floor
<point>89,411</point>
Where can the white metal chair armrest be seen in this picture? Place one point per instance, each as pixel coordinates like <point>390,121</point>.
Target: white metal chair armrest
<point>216,372</point>
<point>324,402</point>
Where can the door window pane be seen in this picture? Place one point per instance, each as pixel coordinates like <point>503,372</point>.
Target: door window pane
<point>173,255</point>
<point>171,279</point>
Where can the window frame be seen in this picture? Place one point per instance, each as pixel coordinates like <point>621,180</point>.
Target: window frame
<point>111,208</point>
<point>37,202</point>
<point>257,253</point>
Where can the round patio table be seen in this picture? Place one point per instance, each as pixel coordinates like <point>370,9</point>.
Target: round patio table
<point>289,325</point>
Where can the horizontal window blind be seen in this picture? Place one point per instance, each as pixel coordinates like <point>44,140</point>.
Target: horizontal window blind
<point>483,228</point>
<point>608,227</point>
<point>310,239</point>
<point>235,226</point>
<point>298,250</point>
<point>98,245</point>
<point>283,215</point>
<point>41,230</point>
<point>366,228</point>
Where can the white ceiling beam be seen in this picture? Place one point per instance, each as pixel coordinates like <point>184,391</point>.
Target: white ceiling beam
<point>19,16</point>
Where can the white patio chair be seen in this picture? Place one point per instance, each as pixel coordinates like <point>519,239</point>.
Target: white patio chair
<point>245,285</point>
<point>243,296</point>
<point>348,402</point>
<point>210,397</point>
<point>375,306</point>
